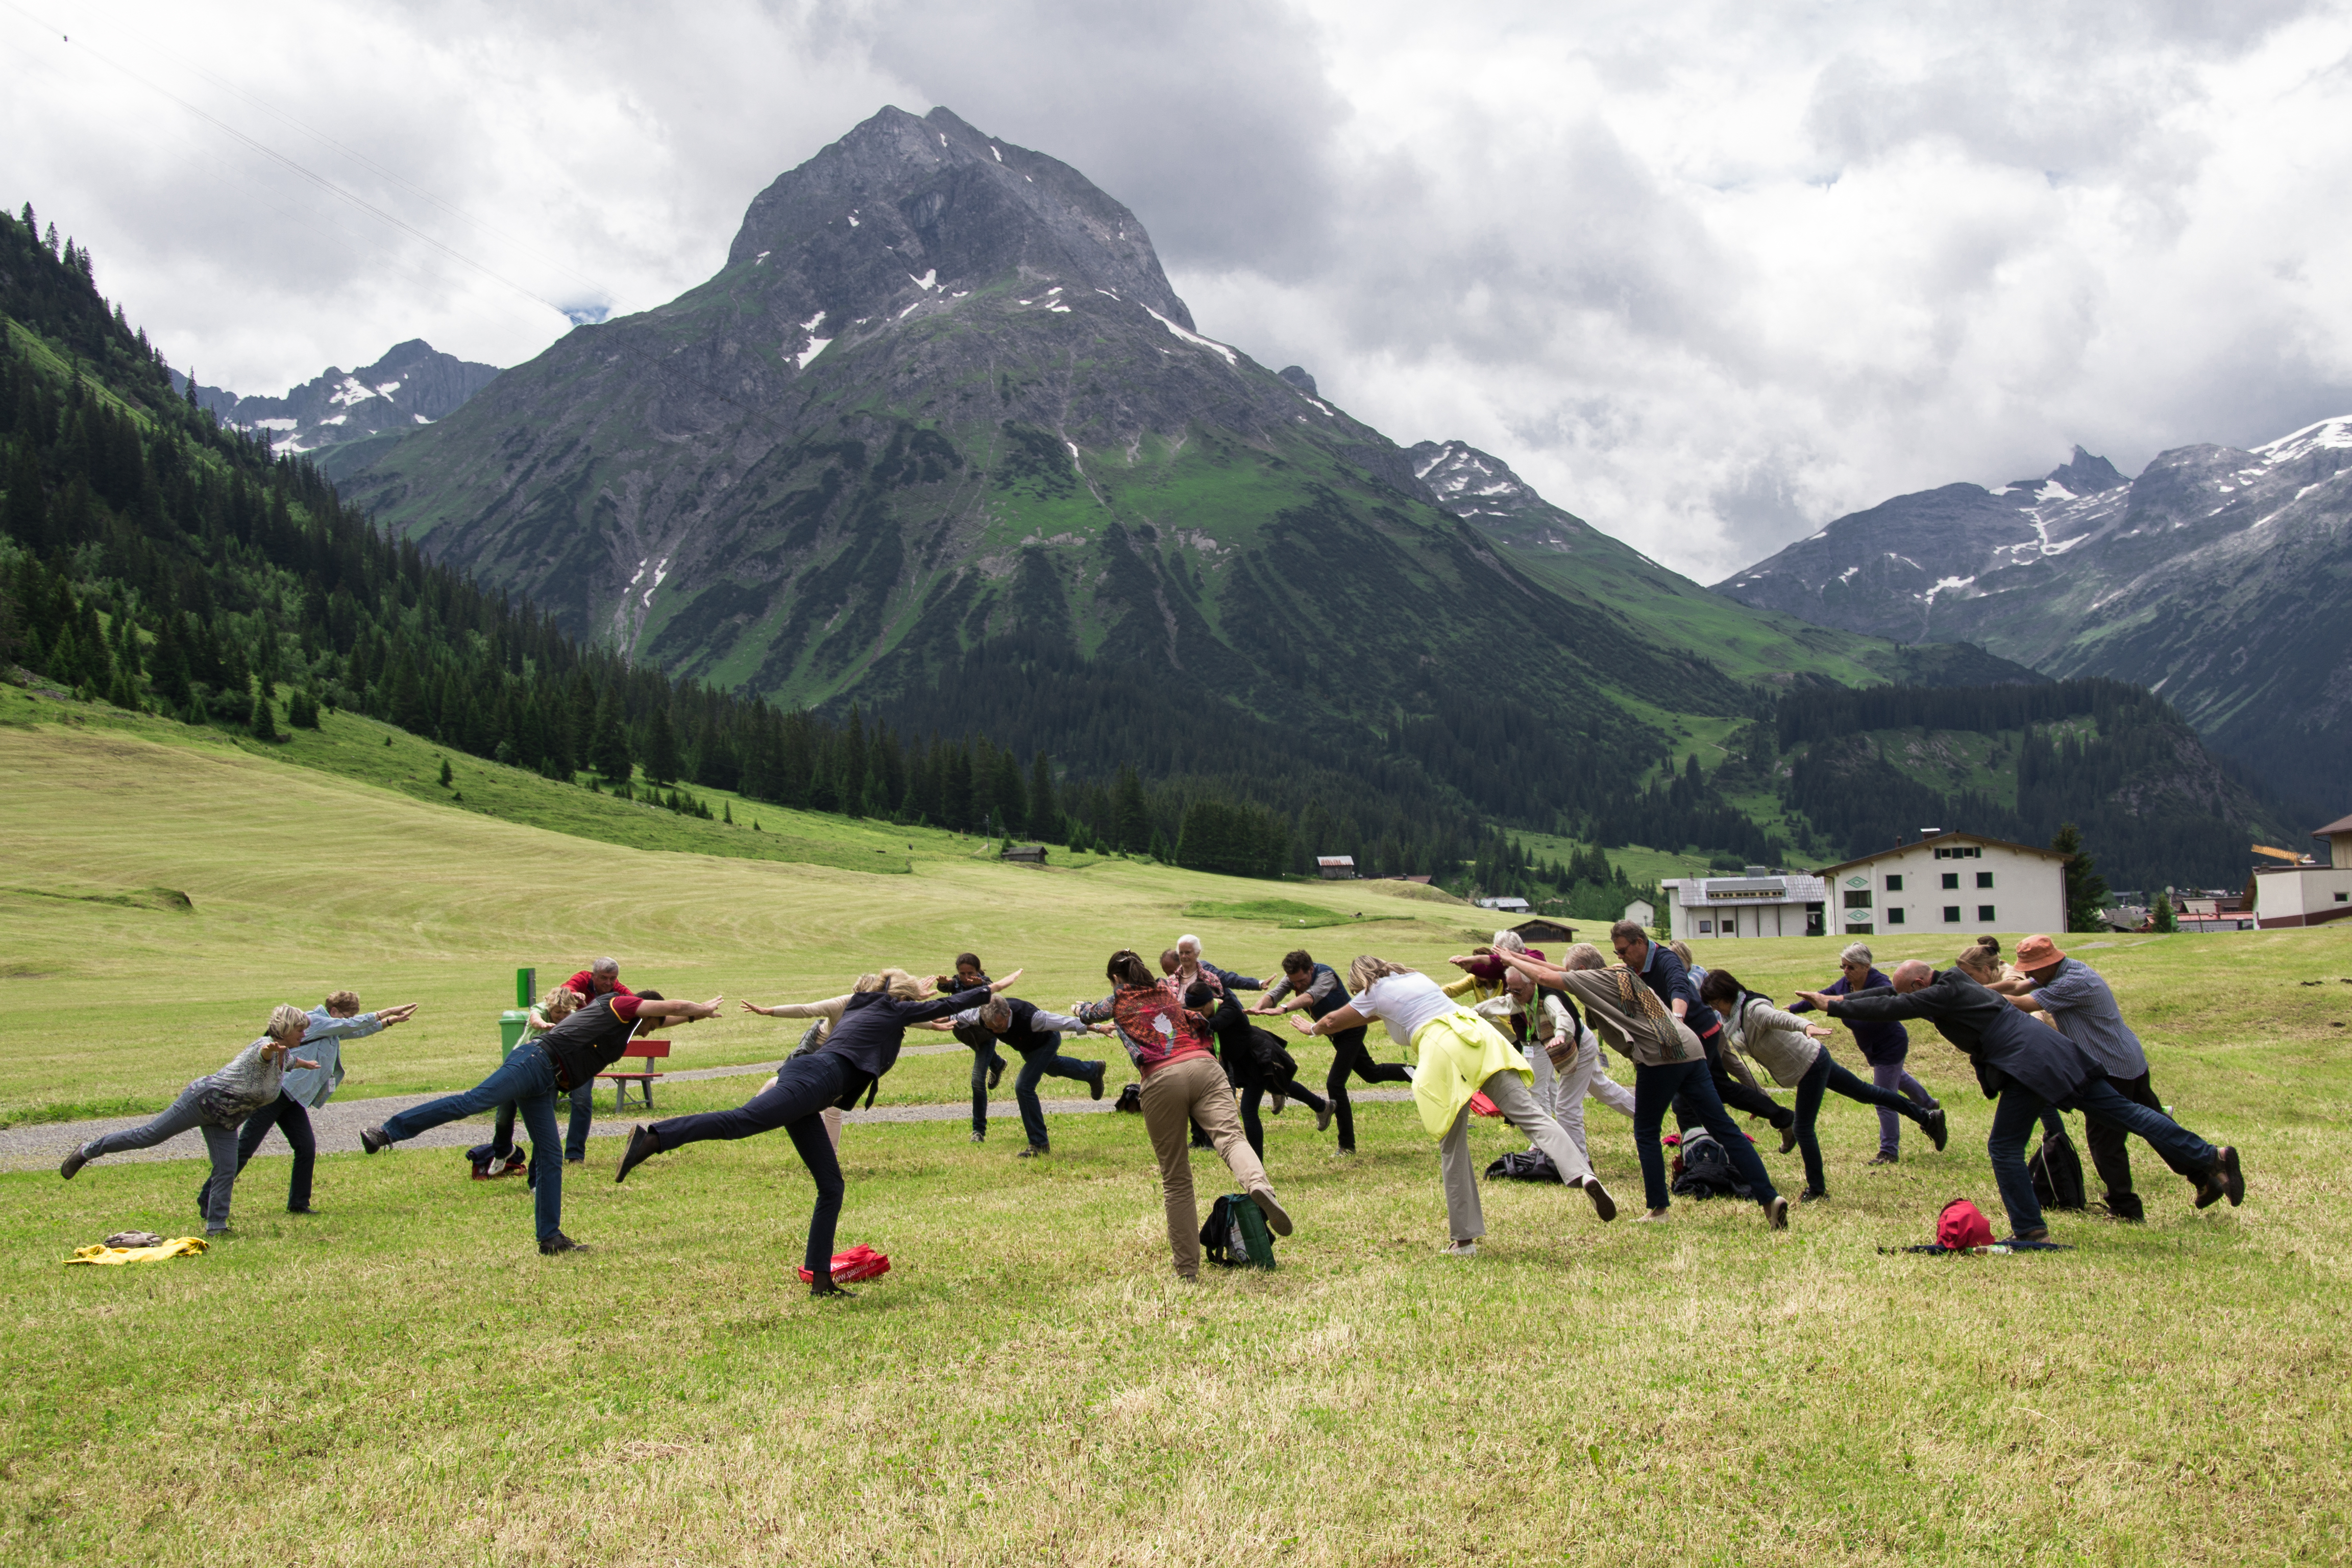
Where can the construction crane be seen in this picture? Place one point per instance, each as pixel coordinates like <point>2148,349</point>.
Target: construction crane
<point>2289,855</point>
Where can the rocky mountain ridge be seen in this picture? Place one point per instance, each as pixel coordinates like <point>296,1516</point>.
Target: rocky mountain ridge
<point>414,384</point>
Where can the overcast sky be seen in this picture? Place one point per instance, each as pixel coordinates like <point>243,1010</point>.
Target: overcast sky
<point>1707,274</point>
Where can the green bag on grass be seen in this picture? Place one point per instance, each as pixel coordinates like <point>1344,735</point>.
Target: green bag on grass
<point>1236,1235</point>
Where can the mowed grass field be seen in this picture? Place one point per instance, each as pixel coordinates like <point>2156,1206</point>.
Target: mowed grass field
<point>402,1379</point>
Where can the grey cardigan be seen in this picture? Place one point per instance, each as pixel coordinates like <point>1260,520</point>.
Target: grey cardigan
<point>1776,1039</point>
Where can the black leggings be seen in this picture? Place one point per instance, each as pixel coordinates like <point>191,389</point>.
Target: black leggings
<point>1825,1075</point>
<point>1734,1094</point>
<point>792,1100</point>
<point>1348,1055</point>
<point>1256,1090</point>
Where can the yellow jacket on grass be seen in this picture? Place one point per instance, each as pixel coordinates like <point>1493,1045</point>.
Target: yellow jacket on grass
<point>178,1246</point>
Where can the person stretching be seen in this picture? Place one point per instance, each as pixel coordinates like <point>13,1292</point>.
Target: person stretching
<point>1666,976</point>
<point>2027,1068</point>
<point>1886,1046</point>
<point>987,1061</point>
<point>1182,1086</point>
<point>1036,1034</point>
<point>304,1090</point>
<point>214,1103</point>
<point>568,1057</point>
<point>857,1052</point>
<point>1669,1069</point>
<point>1791,1050</point>
<point>827,1015</point>
<point>1457,1054</point>
<point>502,1156</point>
<point>1315,987</point>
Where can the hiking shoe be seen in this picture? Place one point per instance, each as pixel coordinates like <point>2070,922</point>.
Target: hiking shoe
<point>559,1242</point>
<point>1776,1213</point>
<point>1884,1158</point>
<point>1789,1136</point>
<point>1280,1102</point>
<point>995,1071</point>
<point>1938,1128</point>
<point>2225,1181</point>
<point>1811,1195</point>
<point>1034,1152</point>
<point>980,1137</point>
<point>2127,1206</point>
<point>643,1146</point>
<point>374,1141</point>
<point>1277,1218</point>
<point>73,1162</point>
<point>1094,1084</point>
<point>1462,1249</point>
<point>1602,1204</point>
<point>1323,1117</point>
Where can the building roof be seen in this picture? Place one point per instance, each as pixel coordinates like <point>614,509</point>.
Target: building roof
<point>1335,859</point>
<point>1941,838</point>
<point>2341,825</point>
<point>1698,892</point>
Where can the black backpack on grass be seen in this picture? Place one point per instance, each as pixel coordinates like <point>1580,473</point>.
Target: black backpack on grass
<point>2057,1173</point>
<point>1526,1165</point>
<point>1706,1170</point>
<point>1236,1235</point>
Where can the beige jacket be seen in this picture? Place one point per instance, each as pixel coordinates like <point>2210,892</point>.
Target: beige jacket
<point>1630,1019</point>
<point>1776,1039</point>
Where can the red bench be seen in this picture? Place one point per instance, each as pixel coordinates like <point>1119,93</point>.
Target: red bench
<point>647,1052</point>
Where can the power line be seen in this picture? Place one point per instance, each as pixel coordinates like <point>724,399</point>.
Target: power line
<point>296,167</point>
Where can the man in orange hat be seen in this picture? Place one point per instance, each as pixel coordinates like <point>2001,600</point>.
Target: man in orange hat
<point>2073,996</point>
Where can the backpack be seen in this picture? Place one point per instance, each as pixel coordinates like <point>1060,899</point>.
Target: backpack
<point>2057,1173</point>
<point>1236,1235</point>
<point>1526,1165</point>
<point>1962,1225</point>
<point>811,1038</point>
<point>1706,1169</point>
<point>1274,1064</point>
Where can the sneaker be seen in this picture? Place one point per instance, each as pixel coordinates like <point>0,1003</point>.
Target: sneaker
<point>980,1137</point>
<point>1789,1136</point>
<point>1811,1195</point>
<point>995,1073</point>
<point>515,1164</point>
<point>73,1162</point>
<point>559,1242</point>
<point>1323,1118</point>
<point>1776,1213</point>
<point>1602,1204</point>
<point>1461,1249</point>
<point>1034,1152</point>
<point>825,1290</point>
<point>1277,1218</point>
<point>374,1141</point>
<point>643,1146</point>
<point>1938,1128</point>
<point>1094,1084</point>
<point>1343,1152</point>
<point>1279,1100</point>
<point>2225,1181</point>
<point>1884,1158</point>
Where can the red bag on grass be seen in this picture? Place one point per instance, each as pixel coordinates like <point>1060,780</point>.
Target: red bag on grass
<point>1962,1225</point>
<point>860,1262</point>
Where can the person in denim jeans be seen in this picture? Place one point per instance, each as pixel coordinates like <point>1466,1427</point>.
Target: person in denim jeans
<point>215,1104</point>
<point>568,1055</point>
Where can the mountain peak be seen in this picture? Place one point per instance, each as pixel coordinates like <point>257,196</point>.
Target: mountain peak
<point>902,197</point>
<point>2084,475</point>
<point>1297,375</point>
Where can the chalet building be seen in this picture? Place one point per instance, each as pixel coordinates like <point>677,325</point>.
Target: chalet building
<point>1541,929</point>
<point>1027,854</point>
<point>1335,868</point>
<point>1639,912</point>
<point>1511,905</point>
<point>2307,895</point>
<point>1956,883</point>
<point>1759,902</point>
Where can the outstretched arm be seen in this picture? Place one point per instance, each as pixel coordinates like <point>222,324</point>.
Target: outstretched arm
<point>678,1011</point>
<point>1535,969</point>
<point>1346,1017</point>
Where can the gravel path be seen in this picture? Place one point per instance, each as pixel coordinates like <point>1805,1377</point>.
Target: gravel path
<point>338,1125</point>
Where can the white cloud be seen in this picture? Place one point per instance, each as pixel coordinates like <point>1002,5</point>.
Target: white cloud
<point>1707,274</point>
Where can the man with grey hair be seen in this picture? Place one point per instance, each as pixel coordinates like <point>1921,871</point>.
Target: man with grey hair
<point>602,978</point>
<point>1884,1043</point>
<point>1035,1035</point>
<point>2027,1068</point>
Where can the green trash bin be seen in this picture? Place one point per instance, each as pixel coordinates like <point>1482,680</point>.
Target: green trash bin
<point>511,1025</point>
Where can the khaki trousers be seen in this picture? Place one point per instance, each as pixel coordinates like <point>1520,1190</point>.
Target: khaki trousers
<point>1175,1097</point>
<point>1516,1102</point>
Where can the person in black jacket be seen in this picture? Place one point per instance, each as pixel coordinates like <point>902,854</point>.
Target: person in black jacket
<point>2026,1068</point>
<point>857,1052</point>
<point>987,1061</point>
<point>568,1057</point>
<point>1316,987</point>
<point>1036,1034</point>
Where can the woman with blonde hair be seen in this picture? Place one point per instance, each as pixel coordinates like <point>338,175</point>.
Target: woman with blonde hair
<point>215,1104</point>
<point>857,1049</point>
<point>1457,1054</point>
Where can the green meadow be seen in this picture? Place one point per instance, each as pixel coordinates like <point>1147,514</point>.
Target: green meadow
<point>402,1379</point>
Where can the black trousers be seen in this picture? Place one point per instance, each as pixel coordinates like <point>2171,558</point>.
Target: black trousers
<point>1350,1055</point>
<point>2110,1153</point>
<point>792,1100</point>
<point>287,1116</point>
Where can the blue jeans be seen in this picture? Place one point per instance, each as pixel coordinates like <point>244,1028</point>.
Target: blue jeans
<point>1036,1064</point>
<point>1693,1084</point>
<point>2018,1111</point>
<point>527,1078</point>
<point>793,1100</point>
<point>220,1143</point>
<point>1825,1075</point>
<point>575,1136</point>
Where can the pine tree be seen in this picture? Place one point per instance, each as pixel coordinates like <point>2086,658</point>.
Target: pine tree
<point>727,812</point>
<point>64,663</point>
<point>1045,816</point>
<point>661,749</point>
<point>608,746</point>
<point>260,721</point>
<point>447,775</point>
<point>2086,891</point>
<point>408,697</point>
<point>2164,920</point>
<point>1130,815</point>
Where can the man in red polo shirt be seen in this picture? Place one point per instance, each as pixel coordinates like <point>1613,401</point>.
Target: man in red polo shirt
<point>602,978</point>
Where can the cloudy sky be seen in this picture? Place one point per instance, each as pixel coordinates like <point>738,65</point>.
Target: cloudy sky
<point>1707,274</point>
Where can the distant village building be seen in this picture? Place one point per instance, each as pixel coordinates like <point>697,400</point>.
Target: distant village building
<point>1641,913</point>
<point>1956,883</point>
<point>1541,929</point>
<point>1031,854</point>
<point>1509,906</point>
<point>1335,868</point>
<point>1758,902</point>
<point>2306,895</point>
